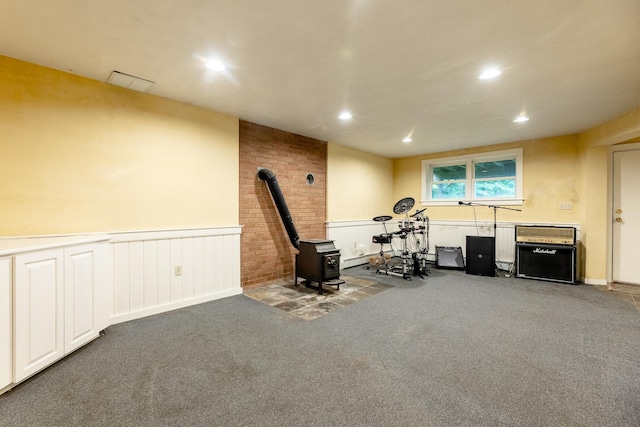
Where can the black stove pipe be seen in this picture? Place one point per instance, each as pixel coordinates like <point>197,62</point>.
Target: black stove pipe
<point>267,176</point>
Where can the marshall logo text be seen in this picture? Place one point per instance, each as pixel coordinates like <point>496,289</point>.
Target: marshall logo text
<point>544,251</point>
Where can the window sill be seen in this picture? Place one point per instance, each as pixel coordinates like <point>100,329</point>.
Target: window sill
<point>477,202</point>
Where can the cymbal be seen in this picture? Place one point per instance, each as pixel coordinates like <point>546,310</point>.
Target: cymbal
<point>382,218</point>
<point>404,205</point>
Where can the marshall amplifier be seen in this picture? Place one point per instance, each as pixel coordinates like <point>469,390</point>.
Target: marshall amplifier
<point>555,263</point>
<point>543,234</point>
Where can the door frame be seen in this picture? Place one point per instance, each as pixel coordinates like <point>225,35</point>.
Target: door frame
<point>610,243</point>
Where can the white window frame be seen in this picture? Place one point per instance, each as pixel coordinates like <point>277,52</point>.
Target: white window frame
<point>470,160</point>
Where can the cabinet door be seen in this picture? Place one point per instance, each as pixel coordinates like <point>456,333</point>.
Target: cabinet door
<point>6,324</point>
<point>39,311</point>
<point>80,296</point>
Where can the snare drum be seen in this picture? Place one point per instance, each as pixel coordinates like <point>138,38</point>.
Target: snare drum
<point>382,238</point>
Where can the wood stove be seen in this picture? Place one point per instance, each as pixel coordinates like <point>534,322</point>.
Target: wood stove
<point>318,261</point>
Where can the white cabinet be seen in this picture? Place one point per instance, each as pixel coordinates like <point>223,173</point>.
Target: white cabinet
<point>60,303</point>
<point>39,311</point>
<point>54,298</point>
<point>6,323</point>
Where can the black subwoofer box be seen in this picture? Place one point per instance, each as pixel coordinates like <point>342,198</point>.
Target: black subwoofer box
<point>480,256</point>
<point>449,257</point>
<point>555,263</point>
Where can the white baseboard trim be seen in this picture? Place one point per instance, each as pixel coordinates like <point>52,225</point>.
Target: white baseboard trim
<point>174,306</point>
<point>431,257</point>
<point>354,262</point>
<point>595,282</point>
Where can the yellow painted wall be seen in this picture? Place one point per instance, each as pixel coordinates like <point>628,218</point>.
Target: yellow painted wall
<point>550,176</point>
<point>594,188</point>
<point>359,184</point>
<point>573,168</point>
<point>83,156</point>
<point>555,170</point>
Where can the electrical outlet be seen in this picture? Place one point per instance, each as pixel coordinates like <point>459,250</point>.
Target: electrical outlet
<point>566,206</point>
<point>178,270</point>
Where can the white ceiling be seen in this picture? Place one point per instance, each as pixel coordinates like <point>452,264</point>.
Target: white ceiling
<point>402,67</point>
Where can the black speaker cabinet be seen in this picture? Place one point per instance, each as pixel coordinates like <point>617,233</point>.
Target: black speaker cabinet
<point>555,263</point>
<point>449,257</point>
<point>480,256</point>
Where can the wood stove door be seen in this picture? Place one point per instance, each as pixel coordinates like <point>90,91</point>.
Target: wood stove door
<point>331,266</point>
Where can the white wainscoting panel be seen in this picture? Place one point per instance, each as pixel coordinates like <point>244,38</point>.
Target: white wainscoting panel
<point>353,238</point>
<point>146,276</point>
<point>454,233</point>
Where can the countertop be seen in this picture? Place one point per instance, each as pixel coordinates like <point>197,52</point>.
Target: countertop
<point>16,245</point>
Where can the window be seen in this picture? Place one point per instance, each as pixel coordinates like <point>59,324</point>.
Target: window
<point>449,182</point>
<point>495,178</point>
<point>483,177</point>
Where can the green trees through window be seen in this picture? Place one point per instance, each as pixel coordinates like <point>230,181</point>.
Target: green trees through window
<point>484,176</point>
<point>495,179</point>
<point>449,182</point>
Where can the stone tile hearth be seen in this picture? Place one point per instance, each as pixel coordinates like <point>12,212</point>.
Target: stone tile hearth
<point>308,304</point>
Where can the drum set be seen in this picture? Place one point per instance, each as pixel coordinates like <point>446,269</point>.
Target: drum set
<point>413,233</point>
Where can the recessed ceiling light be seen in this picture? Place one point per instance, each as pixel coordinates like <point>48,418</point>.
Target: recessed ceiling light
<point>489,73</point>
<point>521,119</point>
<point>407,139</point>
<point>215,65</point>
<point>345,115</point>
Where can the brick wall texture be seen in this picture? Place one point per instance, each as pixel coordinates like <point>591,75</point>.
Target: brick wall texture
<point>266,252</point>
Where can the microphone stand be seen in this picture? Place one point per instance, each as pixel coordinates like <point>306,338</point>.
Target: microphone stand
<point>495,223</point>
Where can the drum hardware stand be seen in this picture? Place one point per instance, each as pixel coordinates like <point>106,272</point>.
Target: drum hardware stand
<point>406,269</point>
<point>382,239</point>
<point>385,265</point>
<point>413,262</point>
<point>422,246</point>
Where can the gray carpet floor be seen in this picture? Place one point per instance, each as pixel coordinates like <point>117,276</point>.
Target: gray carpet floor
<point>449,350</point>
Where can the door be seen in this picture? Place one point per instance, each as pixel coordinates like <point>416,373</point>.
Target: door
<point>626,216</point>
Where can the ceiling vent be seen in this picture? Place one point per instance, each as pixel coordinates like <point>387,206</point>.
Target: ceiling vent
<point>129,82</point>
